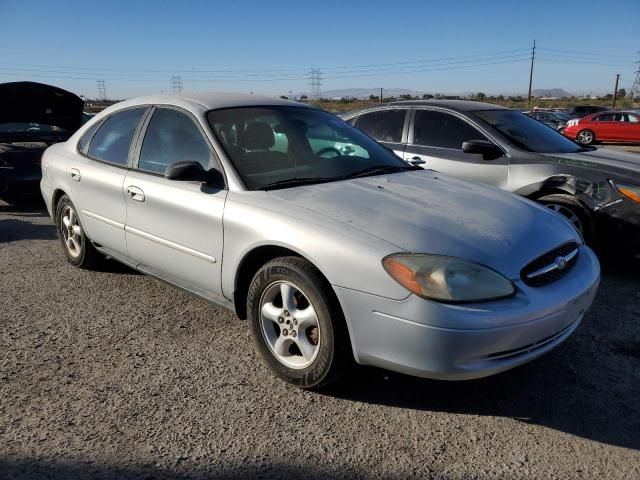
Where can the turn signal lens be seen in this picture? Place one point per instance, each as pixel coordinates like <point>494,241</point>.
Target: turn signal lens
<point>446,279</point>
<point>629,191</point>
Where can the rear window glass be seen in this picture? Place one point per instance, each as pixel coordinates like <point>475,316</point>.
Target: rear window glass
<point>112,141</point>
<point>384,126</point>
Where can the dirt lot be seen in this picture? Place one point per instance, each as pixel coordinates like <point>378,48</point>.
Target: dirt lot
<point>112,374</point>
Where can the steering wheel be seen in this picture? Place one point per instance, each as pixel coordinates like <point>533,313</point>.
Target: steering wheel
<point>321,152</point>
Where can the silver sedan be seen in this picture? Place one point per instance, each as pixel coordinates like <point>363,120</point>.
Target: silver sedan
<point>332,247</point>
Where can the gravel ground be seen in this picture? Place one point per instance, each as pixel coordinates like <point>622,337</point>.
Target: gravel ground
<point>114,375</point>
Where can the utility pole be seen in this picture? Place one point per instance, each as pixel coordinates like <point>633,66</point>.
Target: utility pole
<point>102,91</point>
<point>315,81</point>
<point>533,57</point>
<point>176,84</point>
<point>635,89</point>
<point>615,90</point>
<point>381,95</point>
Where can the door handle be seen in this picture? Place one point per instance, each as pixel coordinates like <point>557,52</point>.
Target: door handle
<point>75,174</point>
<point>416,161</point>
<point>135,193</point>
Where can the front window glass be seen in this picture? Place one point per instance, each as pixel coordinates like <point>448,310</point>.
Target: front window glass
<point>279,146</point>
<point>526,133</point>
<point>112,142</point>
<point>438,129</point>
<point>172,137</point>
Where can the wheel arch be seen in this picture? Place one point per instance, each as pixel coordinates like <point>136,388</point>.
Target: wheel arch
<point>58,193</point>
<point>556,184</point>
<point>251,262</point>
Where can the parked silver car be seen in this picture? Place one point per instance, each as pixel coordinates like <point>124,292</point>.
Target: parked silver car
<point>330,245</point>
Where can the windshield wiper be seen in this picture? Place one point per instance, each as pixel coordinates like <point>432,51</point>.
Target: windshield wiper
<point>381,169</point>
<point>294,182</point>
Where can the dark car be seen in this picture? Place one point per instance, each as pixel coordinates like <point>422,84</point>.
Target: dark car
<point>556,120</point>
<point>580,111</point>
<point>33,116</point>
<point>597,190</point>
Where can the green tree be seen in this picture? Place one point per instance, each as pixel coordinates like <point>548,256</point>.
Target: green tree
<point>622,93</point>
<point>481,96</point>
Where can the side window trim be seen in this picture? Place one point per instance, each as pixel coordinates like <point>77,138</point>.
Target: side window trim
<point>214,160</point>
<point>127,166</point>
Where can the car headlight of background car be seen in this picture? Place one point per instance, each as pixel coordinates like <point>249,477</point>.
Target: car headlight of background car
<point>632,192</point>
<point>446,279</point>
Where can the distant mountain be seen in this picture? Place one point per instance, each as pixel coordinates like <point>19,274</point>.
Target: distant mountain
<point>550,92</point>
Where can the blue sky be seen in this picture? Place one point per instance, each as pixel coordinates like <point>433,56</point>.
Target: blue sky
<point>269,47</point>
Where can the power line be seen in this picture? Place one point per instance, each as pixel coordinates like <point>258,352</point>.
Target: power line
<point>100,70</point>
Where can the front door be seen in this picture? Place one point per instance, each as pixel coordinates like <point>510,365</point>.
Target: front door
<point>436,139</point>
<point>174,228</point>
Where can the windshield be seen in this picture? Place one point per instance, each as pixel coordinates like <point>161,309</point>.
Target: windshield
<point>527,133</point>
<point>27,128</point>
<point>282,146</point>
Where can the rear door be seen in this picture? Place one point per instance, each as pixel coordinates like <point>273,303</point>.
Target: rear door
<point>603,125</point>
<point>436,137</point>
<point>99,176</point>
<point>388,126</point>
<point>174,228</point>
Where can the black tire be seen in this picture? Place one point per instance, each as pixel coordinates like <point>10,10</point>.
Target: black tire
<point>567,206</point>
<point>334,351</point>
<point>86,256</point>
<point>586,137</point>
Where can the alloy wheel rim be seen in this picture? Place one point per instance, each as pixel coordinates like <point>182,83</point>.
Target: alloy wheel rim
<point>289,324</point>
<point>569,215</point>
<point>585,137</point>
<point>71,231</point>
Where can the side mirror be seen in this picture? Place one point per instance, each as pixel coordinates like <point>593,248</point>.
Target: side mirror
<point>193,172</point>
<point>488,150</point>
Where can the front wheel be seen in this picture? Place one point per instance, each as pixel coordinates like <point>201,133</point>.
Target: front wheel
<point>297,324</point>
<point>572,210</point>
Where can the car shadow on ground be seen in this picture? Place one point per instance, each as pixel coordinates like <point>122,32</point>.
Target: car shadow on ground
<point>25,469</point>
<point>589,386</point>
<point>26,220</point>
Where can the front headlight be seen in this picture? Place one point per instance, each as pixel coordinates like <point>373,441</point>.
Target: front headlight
<point>632,192</point>
<point>446,279</point>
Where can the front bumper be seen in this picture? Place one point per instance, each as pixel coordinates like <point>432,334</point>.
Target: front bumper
<point>459,342</point>
<point>20,182</point>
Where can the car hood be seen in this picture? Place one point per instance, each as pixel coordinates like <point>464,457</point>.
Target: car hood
<point>39,103</point>
<point>603,159</point>
<point>427,212</point>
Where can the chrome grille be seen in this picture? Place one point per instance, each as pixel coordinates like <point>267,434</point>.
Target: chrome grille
<point>551,266</point>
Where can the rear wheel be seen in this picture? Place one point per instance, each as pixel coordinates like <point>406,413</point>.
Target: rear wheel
<point>297,324</point>
<point>77,247</point>
<point>572,209</point>
<point>586,137</point>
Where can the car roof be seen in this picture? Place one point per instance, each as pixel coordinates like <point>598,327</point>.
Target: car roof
<point>210,100</point>
<point>458,105</point>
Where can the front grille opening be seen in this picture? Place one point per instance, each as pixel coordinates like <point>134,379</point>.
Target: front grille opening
<point>527,348</point>
<point>546,260</point>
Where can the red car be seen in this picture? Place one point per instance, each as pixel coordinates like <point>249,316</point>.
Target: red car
<point>605,127</point>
